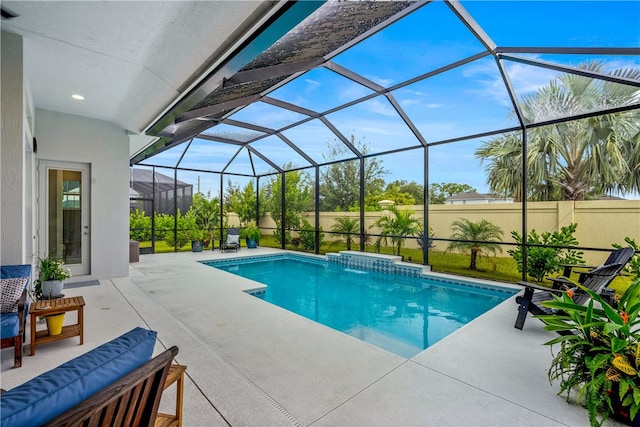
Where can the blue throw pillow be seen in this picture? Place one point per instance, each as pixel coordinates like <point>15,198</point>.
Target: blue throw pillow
<point>54,392</point>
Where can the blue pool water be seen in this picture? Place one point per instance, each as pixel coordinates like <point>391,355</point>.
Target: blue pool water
<point>401,314</point>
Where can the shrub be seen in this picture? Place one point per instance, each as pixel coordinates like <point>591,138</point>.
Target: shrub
<point>139,226</point>
<point>420,238</point>
<point>277,234</point>
<point>308,236</point>
<point>186,227</point>
<point>633,267</point>
<point>550,251</point>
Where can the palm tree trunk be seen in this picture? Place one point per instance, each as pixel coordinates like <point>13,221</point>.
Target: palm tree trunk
<point>474,255</point>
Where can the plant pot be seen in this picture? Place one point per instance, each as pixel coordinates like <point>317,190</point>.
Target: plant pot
<point>196,245</point>
<point>252,243</point>
<point>621,413</point>
<point>54,323</point>
<point>52,288</point>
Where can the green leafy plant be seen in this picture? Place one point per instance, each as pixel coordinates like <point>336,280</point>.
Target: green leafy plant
<point>476,237</point>
<point>633,266</point>
<point>251,231</point>
<point>187,229</point>
<point>139,226</point>
<point>550,250</point>
<point>49,268</point>
<point>346,227</point>
<point>599,356</point>
<point>308,236</point>
<point>206,216</point>
<point>420,239</point>
<point>396,225</point>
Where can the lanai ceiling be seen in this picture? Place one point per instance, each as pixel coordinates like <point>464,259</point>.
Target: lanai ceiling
<point>129,59</point>
<point>391,73</point>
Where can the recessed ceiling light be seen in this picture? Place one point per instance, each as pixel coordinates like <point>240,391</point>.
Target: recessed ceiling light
<point>78,97</point>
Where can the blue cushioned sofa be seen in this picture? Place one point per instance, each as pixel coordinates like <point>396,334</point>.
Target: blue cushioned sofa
<point>12,324</point>
<point>57,391</point>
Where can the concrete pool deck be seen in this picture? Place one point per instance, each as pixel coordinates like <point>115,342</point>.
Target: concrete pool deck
<point>250,363</point>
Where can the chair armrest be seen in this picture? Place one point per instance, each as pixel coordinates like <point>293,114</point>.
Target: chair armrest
<point>22,304</point>
<point>540,288</point>
<point>568,268</point>
<point>561,282</point>
<point>22,311</point>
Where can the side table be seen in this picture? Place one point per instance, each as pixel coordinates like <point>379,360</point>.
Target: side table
<point>175,375</point>
<point>56,306</point>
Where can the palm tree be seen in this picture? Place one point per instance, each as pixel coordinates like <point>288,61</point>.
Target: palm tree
<point>571,160</point>
<point>476,237</point>
<point>397,227</point>
<point>346,227</point>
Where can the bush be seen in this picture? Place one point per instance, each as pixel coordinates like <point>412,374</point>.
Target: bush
<point>633,267</point>
<point>139,226</point>
<point>545,257</point>
<point>186,227</point>
<point>278,235</point>
<point>420,238</point>
<point>308,236</point>
<point>164,226</point>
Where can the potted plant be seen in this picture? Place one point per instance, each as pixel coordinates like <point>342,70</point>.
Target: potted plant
<point>49,284</point>
<point>197,239</point>
<point>251,233</point>
<point>599,356</point>
<point>51,276</point>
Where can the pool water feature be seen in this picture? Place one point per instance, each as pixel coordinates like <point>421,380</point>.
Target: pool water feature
<point>399,313</point>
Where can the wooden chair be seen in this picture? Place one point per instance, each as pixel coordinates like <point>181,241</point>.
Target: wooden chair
<point>133,400</point>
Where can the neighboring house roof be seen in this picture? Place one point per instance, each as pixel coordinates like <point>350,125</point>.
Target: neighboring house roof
<point>472,195</point>
<point>608,197</point>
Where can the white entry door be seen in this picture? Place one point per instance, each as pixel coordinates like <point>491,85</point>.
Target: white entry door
<point>63,209</point>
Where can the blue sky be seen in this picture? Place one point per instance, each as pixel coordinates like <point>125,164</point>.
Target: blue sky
<point>461,101</point>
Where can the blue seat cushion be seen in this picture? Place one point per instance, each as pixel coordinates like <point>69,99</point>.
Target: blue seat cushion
<point>11,271</point>
<point>54,392</point>
<point>9,325</point>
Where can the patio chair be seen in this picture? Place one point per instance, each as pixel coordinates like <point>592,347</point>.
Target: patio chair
<point>233,240</point>
<point>597,280</point>
<point>622,255</point>
<point>15,306</point>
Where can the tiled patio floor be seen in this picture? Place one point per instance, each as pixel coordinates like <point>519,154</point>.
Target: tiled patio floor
<point>254,364</point>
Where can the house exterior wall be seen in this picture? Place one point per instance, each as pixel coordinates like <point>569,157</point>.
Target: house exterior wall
<point>16,170</point>
<point>105,147</point>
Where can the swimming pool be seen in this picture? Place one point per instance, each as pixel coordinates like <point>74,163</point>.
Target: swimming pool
<point>400,314</point>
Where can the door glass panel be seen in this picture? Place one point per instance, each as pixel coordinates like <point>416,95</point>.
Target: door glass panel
<point>65,215</point>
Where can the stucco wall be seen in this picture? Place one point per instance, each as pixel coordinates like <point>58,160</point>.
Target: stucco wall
<point>16,156</point>
<point>12,153</point>
<point>105,147</point>
<point>600,222</point>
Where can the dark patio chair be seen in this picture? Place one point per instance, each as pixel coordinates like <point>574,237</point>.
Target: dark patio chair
<point>622,255</point>
<point>597,280</point>
<point>233,240</point>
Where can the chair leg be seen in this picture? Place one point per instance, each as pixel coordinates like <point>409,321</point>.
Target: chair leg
<point>523,308</point>
<point>17,351</point>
